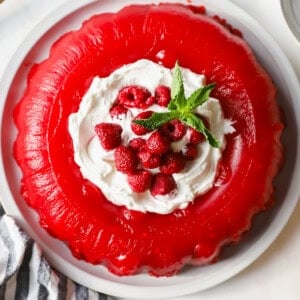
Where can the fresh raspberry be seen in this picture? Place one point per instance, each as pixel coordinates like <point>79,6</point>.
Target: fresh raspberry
<point>150,101</point>
<point>139,129</point>
<point>140,181</point>
<point>173,162</point>
<point>174,130</point>
<point>125,160</point>
<point>162,184</point>
<point>148,160</point>
<point>109,135</point>
<point>196,137</point>
<point>190,151</point>
<point>134,96</point>
<point>163,95</point>
<point>118,110</point>
<point>157,143</point>
<point>136,144</point>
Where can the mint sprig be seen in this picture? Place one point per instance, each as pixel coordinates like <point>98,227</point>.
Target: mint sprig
<point>182,108</point>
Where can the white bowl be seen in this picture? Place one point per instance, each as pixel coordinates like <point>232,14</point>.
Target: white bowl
<point>291,12</point>
<point>266,226</point>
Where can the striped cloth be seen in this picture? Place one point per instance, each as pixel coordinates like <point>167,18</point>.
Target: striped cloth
<point>25,274</point>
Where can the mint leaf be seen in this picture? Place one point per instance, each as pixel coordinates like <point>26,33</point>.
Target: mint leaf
<point>193,121</point>
<point>200,96</point>
<point>211,139</point>
<point>196,123</point>
<point>157,119</point>
<point>177,90</point>
<point>182,108</point>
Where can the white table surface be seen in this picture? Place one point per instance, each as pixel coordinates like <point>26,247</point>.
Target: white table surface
<point>276,274</point>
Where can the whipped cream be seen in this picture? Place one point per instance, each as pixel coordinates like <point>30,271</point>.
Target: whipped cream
<point>97,164</point>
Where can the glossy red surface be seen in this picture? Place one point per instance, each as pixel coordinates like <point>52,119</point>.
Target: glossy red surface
<point>75,211</point>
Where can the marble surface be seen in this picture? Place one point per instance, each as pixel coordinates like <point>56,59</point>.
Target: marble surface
<point>276,274</point>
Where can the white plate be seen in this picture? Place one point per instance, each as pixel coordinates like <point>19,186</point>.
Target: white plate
<point>266,227</point>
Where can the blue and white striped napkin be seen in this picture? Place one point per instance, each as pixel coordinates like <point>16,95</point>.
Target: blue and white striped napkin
<point>26,275</point>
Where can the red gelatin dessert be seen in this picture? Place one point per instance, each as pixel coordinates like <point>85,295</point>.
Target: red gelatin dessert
<point>152,163</point>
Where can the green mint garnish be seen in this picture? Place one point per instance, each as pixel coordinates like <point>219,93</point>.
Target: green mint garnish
<point>182,108</point>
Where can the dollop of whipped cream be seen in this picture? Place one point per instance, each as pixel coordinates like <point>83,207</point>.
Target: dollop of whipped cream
<point>97,164</point>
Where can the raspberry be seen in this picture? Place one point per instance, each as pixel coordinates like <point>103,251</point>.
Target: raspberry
<point>190,151</point>
<point>140,181</point>
<point>173,162</point>
<point>162,95</point>
<point>196,137</point>
<point>109,135</point>
<point>157,143</point>
<point>117,110</point>
<point>162,184</point>
<point>149,160</point>
<point>174,130</point>
<point>139,129</point>
<point>135,96</point>
<point>150,101</point>
<point>136,144</point>
<point>125,160</point>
